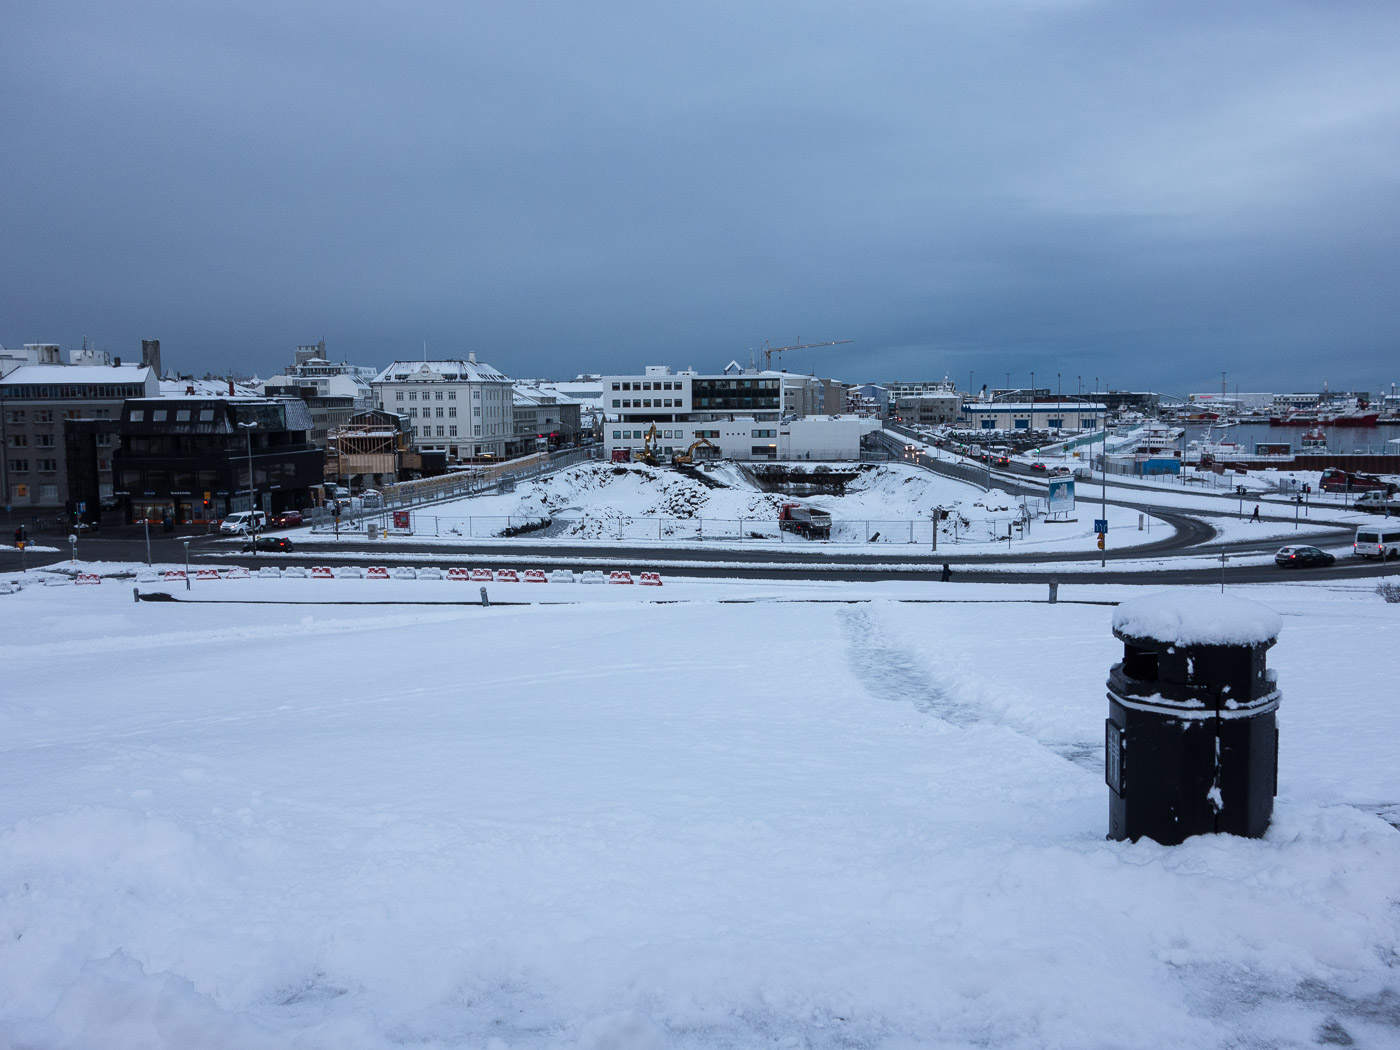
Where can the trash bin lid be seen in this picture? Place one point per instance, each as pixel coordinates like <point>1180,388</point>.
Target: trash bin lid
<point>1196,617</point>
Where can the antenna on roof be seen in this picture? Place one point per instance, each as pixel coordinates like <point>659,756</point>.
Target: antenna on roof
<point>425,351</point>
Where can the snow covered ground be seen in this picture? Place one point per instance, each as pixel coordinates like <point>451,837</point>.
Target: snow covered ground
<point>888,504</point>
<point>817,815</point>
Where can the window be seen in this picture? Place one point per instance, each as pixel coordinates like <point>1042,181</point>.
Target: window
<point>48,493</point>
<point>18,440</point>
<point>19,466</point>
<point>398,395</point>
<point>15,416</point>
<point>43,440</point>
<point>137,415</point>
<point>617,435</point>
<point>765,433</point>
<point>476,411</point>
<point>452,396</point>
<point>616,385</point>
<point>413,395</point>
<point>452,412</point>
<point>439,413</point>
<point>437,396</point>
<point>47,466</point>
<point>616,403</point>
<point>476,393</point>
<point>646,403</point>
<point>104,440</point>
<point>158,415</point>
<point>43,415</point>
<point>182,415</point>
<point>451,431</point>
<point>476,430</point>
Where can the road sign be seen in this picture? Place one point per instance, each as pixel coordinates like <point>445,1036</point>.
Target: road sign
<point>1100,524</point>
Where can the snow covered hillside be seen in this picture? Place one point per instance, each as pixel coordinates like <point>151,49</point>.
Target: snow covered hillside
<point>886,503</point>
<point>756,815</point>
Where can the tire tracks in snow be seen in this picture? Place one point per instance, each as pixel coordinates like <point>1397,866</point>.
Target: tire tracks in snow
<point>892,673</point>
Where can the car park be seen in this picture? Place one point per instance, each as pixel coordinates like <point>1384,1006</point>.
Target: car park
<point>1302,557</point>
<point>273,544</point>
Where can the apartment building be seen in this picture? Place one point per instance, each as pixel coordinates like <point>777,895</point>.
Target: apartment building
<point>39,402</point>
<point>464,409</point>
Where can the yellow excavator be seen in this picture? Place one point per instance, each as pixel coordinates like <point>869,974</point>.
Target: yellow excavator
<point>688,455</point>
<point>647,454</point>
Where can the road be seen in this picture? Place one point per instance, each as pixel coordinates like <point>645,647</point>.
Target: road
<point>813,561</point>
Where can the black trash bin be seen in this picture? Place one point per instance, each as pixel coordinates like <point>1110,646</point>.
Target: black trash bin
<point>1191,741</point>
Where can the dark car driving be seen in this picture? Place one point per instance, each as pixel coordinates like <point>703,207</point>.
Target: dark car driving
<point>1302,557</point>
<point>270,543</point>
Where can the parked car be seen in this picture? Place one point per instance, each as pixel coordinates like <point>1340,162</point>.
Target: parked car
<point>276,544</point>
<point>241,521</point>
<point>1302,557</point>
<point>288,519</point>
<point>372,499</point>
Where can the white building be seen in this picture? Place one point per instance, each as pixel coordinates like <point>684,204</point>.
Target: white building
<point>1039,415</point>
<point>748,415</point>
<point>463,408</point>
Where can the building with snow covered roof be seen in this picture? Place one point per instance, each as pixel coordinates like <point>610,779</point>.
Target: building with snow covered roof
<point>464,409</point>
<point>332,391</point>
<point>544,420</point>
<point>187,459</point>
<point>38,400</point>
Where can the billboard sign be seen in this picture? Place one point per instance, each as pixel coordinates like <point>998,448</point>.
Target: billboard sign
<point>1059,495</point>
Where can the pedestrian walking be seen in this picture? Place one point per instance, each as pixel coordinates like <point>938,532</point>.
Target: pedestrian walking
<point>1256,513</point>
<point>946,574</point>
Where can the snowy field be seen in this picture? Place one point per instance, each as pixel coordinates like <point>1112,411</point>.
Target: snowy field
<point>787,815</point>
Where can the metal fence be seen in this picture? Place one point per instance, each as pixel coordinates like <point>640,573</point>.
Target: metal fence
<point>654,529</point>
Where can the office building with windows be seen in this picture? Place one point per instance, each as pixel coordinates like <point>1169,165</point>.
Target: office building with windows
<point>464,409</point>
<point>745,415</point>
<point>40,399</point>
<point>187,459</point>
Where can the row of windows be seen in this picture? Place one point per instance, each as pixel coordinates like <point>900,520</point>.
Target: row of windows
<point>46,493</point>
<point>93,391</point>
<point>764,433</point>
<point>669,435</point>
<point>40,440</point>
<point>43,466</point>
<point>41,415</point>
<point>428,412</point>
<point>426,431</point>
<point>413,395</point>
<point>652,385</point>
<point>646,402</point>
<point>1025,424</point>
<point>159,415</point>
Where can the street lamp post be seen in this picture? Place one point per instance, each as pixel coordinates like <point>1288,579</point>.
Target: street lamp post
<point>187,565</point>
<point>248,429</point>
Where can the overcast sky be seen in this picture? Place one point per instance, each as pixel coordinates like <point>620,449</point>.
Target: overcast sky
<point>1146,193</point>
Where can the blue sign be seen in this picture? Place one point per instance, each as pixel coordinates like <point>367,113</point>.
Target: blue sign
<point>1100,524</point>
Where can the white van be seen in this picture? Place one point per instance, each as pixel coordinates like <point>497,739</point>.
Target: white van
<point>1377,541</point>
<point>240,521</point>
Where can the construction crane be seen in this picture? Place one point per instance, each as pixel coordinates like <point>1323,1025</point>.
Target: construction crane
<point>769,351</point>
